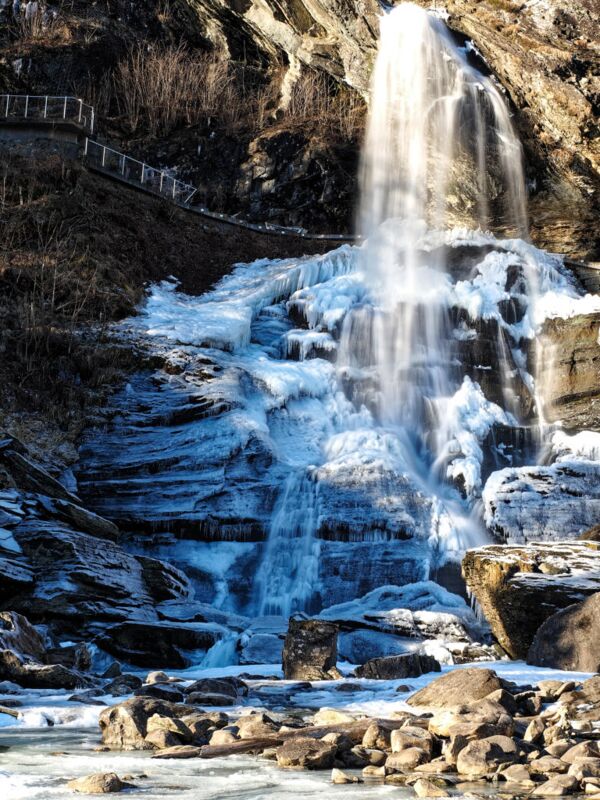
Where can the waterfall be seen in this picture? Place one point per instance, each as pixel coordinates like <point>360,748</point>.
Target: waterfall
<point>439,149</point>
<point>287,577</point>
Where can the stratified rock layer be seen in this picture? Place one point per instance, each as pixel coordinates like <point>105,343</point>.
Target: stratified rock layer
<point>519,587</point>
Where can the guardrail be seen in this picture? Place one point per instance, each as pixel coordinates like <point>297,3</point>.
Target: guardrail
<point>157,181</point>
<point>47,108</point>
<point>39,108</point>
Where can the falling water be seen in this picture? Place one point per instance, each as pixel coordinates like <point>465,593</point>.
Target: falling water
<point>438,129</point>
<point>439,149</point>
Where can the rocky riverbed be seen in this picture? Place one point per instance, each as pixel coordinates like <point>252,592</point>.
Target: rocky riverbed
<point>509,729</point>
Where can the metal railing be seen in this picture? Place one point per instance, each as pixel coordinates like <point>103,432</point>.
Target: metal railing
<point>38,108</point>
<point>157,181</point>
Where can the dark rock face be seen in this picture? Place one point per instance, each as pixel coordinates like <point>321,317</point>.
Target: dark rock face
<point>570,639</point>
<point>306,753</point>
<point>16,633</point>
<point>310,650</point>
<point>38,676</point>
<point>409,665</point>
<point>568,358</point>
<point>519,587</point>
<point>155,644</point>
<point>456,688</point>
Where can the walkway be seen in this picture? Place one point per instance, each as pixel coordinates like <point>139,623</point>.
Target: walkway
<point>70,114</point>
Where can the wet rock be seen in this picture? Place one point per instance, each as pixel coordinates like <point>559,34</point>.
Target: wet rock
<point>338,776</point>
<point>301,752</point>
<point>206,699</point>
<point>427,788</point>
<point>557,786</point>
<point>149,643</point>
<point>570,639</point>
<point>519,774</point>
<point>123,684</point>
<point>164,581</point>
<point>310,650</point>
<point>16,633</point>
<point>457,687</point>
<point>516,591</point>
<point>255,725</point>
<point>38,676</point>
<point>407,759</point>
<point>124,726</point>
<point>157,677</point>
<point>484,756</point>
<point>100,783</point>
<point>74,656</point>
<point>408,665</point>
<point>169,693</point>
<point>232,686</point>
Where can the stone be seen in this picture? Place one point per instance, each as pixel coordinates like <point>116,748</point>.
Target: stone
<point>310,650</point>
<point>305,753</point>
<point>162,739</point>
<point>570,639</point>
<point>17,634</point>
<point>234,687</point>
<point>157,677</point>
<point>158,722</point>
<point>375,772</point>
<point>331,716</point>
<point>160,691</point>
<point>38,676</point>
<point>122,685</point>
<point>124,726</point>
<point>251,726</point>
<point>582,768</point>
<point>485,712</point>
<point>407,665</point>
<point>581,750</point>
<point>534,730</point>
<point>148,643</point>
<point>407,759</point>
<point>411,736</point>
<point>546,765</point>
<point>557,786</point>
<point>519,774</point>
<point>426,788</point>
<point>517,596</point>
<point>483,757</point>
<point>338,776</point>
<point>457,687</point>
<point>378,735</point>
<point>205,699</point>
<point>225,735</point>
<point>463,733</point>
<point>100,783</point>
<point>200,723</point>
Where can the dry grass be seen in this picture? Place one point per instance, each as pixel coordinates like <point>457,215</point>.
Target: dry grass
<point>316,98</point>
<point>160,89</point>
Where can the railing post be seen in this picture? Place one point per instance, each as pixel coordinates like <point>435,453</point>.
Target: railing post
<point>123,157</point>
<point>80,110</point>
<point>26,105</point>
<point>174,182</point>
<point>7,104</point>
<point>103,155</point>
<point>93,121</point>
<point>85,149</point>
<point>46,107</point>
<point>65,108</point>
<point>160,187</point>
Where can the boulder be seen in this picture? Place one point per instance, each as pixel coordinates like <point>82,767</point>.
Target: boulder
<point>158,690</point>
<point>16,633</point>
<point>257,725</point>
<point>407,759</point>
<point>411,736</point>
<point>232,686</point>
<point>100,783</point>
<point>305,753</point>
<point>159,722</point>
<point>124,726</point>
<point>570,639</point>
<point>407,665</point>
<point>310,650</point>
<point>519,587</point>
<point>557,786</point>
<point>30,675</point>
<point>427,788</point>
<point>16,576</point>
<point>157,644</point>
<point>460,686</point>
<point>483,712</point>
<point>483,756</point>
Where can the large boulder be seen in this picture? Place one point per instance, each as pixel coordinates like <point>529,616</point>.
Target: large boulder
<point>125,726</point>
<point>304,753</point>
<point>407,665</point>
<point>158,644</point>
<point>310,650</point>
<point>17,633</point>
<point>570,639</point>
<point>519,587</point>
<point>99,783</point>
<point>38,676</point>
<point>457,687</point>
